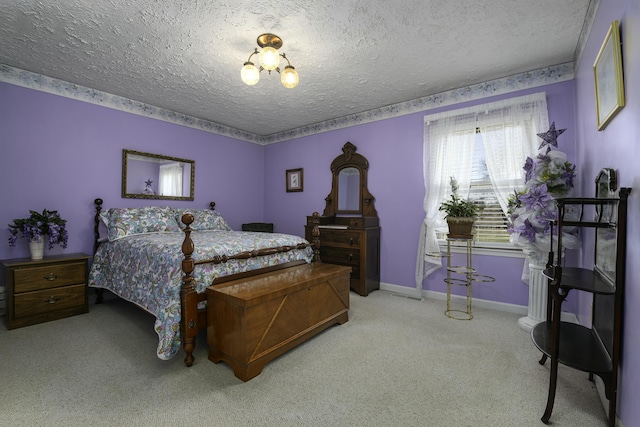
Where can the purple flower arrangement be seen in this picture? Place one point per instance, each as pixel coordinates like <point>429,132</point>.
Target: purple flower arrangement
<point>532,210</point>
<point>38,225</point>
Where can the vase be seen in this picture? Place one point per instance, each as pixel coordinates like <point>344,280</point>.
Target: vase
<point>37,248</point>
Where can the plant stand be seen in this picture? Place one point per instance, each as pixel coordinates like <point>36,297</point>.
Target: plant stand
<point>466,275</point>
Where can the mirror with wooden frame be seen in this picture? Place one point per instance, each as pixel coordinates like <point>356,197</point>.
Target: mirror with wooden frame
<point>154,176</point>
<point>349,193</point>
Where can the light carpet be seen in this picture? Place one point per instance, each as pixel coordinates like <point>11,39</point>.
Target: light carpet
<point>396,362</point>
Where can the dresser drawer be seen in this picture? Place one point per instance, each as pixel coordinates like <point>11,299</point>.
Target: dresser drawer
<point>343,256</point>
<point>38,302</point>
<point>342,237</point>
<point>47,277</point>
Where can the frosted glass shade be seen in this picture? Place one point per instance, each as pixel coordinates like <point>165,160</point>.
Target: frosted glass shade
<point>250,74</point>
<point>269,58</point>
<point>289,77</point>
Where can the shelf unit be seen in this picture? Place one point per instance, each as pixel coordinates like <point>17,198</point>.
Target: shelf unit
<point>462,275</point>
<point>595,349</point>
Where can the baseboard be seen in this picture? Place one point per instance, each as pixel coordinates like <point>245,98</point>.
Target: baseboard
<point>418,294</point>
<point>603,399</point>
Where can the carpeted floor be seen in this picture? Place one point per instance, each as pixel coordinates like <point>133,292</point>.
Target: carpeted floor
<point>397,362</point>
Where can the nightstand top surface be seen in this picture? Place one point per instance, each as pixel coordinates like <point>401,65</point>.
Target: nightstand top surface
<point>47,259</point>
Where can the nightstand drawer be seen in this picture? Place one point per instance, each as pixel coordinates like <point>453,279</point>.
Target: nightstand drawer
<point>30,303</point>
<point>46,277</point>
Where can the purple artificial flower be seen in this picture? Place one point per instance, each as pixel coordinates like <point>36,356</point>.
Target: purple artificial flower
<point>529,166</point>
<point>527,231</point>
<point>537,197</point>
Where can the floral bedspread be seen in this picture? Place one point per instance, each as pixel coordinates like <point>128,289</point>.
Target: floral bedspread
<point>146,270</point>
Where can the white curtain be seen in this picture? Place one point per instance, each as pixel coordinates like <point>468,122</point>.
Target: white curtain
<point>171,179</point>
<point>448,152</point>
<point>508,130</point>
<point>509,135</point>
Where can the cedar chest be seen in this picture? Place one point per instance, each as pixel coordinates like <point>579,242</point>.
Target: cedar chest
<point>252,321</point>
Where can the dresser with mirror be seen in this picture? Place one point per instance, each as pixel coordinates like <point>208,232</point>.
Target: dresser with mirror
<point>349,225</point>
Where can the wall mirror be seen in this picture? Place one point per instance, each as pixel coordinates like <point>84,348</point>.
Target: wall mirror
<point>154,176</point>
<point>349,189</point>
<point>349,193</point>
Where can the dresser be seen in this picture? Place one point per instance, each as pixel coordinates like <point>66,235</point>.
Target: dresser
<point>47,289</point>
<point>349,226</point>
<point>354,242</point>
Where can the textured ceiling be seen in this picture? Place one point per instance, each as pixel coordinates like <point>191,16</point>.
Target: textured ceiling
<point>352,56</point>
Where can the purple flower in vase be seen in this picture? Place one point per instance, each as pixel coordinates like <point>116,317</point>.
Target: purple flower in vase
<point>37,225</point>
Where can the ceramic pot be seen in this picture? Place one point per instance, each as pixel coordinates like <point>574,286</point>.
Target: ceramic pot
<point>37,248</point>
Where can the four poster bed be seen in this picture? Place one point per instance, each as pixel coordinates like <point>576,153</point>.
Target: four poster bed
<point>164,259</point>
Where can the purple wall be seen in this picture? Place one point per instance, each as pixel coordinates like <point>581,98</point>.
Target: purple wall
<point>618,147</point>
<point>60,154</point>
<point>394,150</point>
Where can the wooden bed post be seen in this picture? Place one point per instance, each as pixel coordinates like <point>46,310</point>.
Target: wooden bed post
<point>316,237</point>
<point>188,295</point>
<point>96,242</point>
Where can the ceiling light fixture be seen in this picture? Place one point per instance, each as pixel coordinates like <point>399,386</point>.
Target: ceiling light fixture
<point>269,60</point>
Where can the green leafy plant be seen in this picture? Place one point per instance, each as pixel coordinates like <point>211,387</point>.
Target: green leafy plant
<point>456,207</point>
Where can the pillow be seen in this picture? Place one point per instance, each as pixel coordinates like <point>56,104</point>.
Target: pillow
<point>123,222</point>
<point>103,229</point>
<point>203,219</point>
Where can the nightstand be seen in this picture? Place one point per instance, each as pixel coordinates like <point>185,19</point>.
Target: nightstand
<point>46,289</point>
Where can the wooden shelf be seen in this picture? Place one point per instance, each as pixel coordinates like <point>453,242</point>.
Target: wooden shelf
<point>580,347</point>
<point>582,279</point>
<point>595,349</point>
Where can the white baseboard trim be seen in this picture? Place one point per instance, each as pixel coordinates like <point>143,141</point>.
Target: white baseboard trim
<point>417,294</point>
<point>482,303</point>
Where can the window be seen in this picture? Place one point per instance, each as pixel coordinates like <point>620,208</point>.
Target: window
<point>171,179</point>
<point>487,165</point>
<point>490,228</point>
<point>491,225</point>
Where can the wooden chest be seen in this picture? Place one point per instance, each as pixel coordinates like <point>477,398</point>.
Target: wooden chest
<point>46,289</point>
<point>251,321</point>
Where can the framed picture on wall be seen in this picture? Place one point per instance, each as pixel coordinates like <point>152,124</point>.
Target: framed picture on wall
<point>294,180</point>
<point>607,71</point>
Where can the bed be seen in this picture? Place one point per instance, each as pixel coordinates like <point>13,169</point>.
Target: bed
<point>162,259</point>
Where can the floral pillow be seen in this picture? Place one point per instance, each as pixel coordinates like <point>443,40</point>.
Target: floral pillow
<point>204,219</point>
<point>123,222</point>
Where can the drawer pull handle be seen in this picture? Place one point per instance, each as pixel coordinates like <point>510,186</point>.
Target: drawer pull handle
<point>350,257</point>
<point>52,300</point>
<point>351,240</point>
<point>51,277</point>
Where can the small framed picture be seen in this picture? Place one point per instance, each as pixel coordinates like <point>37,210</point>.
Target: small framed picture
<point>294,180</point>
<point>607,72</point>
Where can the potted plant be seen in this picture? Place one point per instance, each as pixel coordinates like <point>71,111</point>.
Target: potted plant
<point>36,227</point>
<point>460,213</point>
